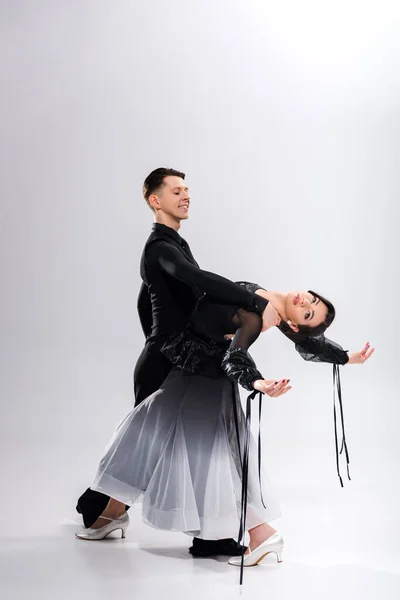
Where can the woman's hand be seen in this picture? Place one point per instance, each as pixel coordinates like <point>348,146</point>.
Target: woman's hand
<point>358,358</point>
<point>272,388</point>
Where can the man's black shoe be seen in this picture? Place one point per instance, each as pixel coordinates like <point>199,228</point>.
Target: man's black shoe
<point>225,547</point>
<point>91,504</point>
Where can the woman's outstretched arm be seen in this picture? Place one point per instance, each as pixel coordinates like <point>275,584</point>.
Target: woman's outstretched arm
<point>240,366</point>
<point>315,349</point>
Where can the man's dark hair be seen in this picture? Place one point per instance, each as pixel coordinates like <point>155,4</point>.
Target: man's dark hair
<point>155,181</point>
<point>319,329</point>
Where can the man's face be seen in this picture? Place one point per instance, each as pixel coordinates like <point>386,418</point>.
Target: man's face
<point>172,198</point>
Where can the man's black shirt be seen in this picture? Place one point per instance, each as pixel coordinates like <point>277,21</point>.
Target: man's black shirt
<point>173,282</point>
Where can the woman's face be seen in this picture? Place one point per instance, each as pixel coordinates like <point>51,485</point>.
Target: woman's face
<point>302,308</point>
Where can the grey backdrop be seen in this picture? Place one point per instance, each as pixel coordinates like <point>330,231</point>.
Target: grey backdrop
<point>285,117</point>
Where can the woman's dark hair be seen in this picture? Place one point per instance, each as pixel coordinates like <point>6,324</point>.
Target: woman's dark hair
<point>155,181</point>
<point>319,329</point>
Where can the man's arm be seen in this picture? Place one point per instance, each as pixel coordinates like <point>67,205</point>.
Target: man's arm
<point>144,310</point>
<point>170,260</point>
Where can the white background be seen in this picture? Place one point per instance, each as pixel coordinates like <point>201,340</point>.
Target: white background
<point>285,117</point>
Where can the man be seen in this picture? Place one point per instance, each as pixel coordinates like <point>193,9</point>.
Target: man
<point>172,284</point>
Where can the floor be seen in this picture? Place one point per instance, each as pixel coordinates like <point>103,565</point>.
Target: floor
<point>333,550</point>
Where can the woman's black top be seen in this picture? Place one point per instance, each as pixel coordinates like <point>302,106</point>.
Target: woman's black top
<point>202,348</point>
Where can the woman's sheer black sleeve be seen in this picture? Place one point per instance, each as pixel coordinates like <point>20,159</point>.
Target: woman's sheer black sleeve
<point>315,349</point>
<point>237,362</point>
<point>172,261</point>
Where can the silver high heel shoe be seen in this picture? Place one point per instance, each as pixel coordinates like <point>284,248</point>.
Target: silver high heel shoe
<point>272,544</point>
<point>99,534</point>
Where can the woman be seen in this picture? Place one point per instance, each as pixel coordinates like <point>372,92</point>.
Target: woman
<point>184,448</point>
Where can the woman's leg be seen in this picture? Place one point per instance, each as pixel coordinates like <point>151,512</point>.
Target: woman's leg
<point>113,510</point>
<point>258,535</point>
<point>263,540</point>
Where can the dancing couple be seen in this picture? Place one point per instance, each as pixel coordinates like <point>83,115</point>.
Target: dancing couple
<point>185,448</point>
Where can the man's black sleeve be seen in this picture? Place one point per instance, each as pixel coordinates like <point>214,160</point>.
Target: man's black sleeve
<point>172,261</point>
<point>144,310</point>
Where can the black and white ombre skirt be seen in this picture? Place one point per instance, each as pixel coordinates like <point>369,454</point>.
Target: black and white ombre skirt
<point>179,451</point>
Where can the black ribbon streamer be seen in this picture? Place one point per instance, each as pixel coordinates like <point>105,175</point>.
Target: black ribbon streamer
<point>337,388</point>
<point>245,466</point>
<point>246,447</point>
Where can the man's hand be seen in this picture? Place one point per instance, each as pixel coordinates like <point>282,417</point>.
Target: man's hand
<point>270,317</point>
<point>272,388</point>
<point>358,358</point>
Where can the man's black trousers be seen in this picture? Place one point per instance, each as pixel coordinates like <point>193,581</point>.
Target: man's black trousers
<point>152,368</point>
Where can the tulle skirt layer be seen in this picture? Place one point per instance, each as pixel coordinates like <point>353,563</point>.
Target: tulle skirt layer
<point>179,451</point>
